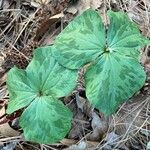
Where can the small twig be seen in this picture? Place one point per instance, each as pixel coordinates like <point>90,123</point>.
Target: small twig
<point>105,14</point>
<point>1,4</point>
<point>7,10</point>
<point>11,138</point>
<point>26,25</point>
<point>27,58</point>
<point>9,25</point>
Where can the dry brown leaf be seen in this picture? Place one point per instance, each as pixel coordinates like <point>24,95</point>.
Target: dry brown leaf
<point>76,131</point>
<point>5,129</point>
<point>80,102</point>
<point>68,142</point>
<point>111,138</point>
<point>84,5</point>
<point>99,127</point>
<point>81,146</point>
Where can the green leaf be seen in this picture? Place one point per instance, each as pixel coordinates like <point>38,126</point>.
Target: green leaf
<point>50,77</point>
<point>123,36</point>
<point>115,73</point>
<point>46,120</point>
<point>38,88</point>
<point>113,80</point>
<point>21,91</point>
<point>81,41</point>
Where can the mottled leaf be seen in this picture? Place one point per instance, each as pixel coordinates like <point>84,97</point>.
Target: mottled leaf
<point>115,73</point>
<point>50,77</point>
<point>81,41</point>
<point>123,36</point>
<point>21,91</point>
<point>113,80</point>
<point>45,120</point>
<point>38,88</point>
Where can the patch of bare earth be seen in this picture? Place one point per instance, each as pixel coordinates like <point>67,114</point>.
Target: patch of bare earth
<point>27,24</point>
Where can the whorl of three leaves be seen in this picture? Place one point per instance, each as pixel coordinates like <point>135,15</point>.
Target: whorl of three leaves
<point>45,118</point>
<point>115,73</point>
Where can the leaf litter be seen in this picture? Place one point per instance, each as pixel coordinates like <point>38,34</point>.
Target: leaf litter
<point>129,126</point>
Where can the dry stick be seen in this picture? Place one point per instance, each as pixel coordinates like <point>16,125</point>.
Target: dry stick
<point>25,143</point>
<point>140,127</point>
<point>132,140</point>
<point>9,25</point>
<point>1,4</point>
<point>27,58</point>
<point>68,142</point>
<point>147,110</point>
<point>147,22</point>
<point>120,108</point>
<point>81,121</point>
<point>113,141</point>
<point>117,142</point>
<point>11,138</point>
<point>135,126</point>
<point>26,25</point>
<point>7,10</point>
<point>26,36</point>
<point>126,135</point>
<point>17,49</point>
<point>133,121</point>
<point>117,123</point>
<point>105,14</point>
<point>20,146</point>
<point>19,34</point>
<point>133,110</point>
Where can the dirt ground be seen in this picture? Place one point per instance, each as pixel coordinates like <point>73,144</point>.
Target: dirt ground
<point>28,24</point>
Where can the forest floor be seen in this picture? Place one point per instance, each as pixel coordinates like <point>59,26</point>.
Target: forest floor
<point>28,24</point>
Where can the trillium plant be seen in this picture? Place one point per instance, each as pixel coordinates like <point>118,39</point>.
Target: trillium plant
<point>113,76</point>
<point>115,73</point>
<point>45,119</point>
